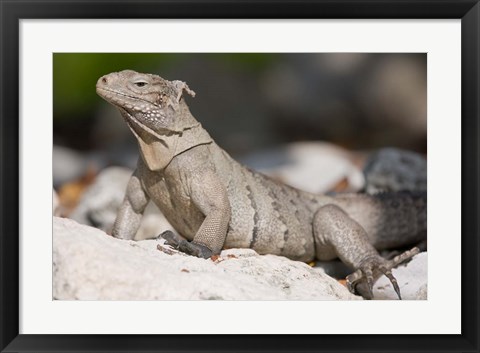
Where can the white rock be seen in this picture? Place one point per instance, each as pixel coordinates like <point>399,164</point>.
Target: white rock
<point>100,203</point>
<point>311,166</point>
<point>90,265</point>
<point>412,279</point>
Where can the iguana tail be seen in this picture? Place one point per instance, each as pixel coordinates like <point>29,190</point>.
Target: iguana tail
<point>392,219</point>
<point>403,220</point>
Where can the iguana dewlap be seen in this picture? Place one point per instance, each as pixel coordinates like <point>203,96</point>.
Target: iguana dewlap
<point>215,202</point>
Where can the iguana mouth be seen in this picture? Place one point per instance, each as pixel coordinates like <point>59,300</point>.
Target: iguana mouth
<point>108,97</point>
<point>114,97</point>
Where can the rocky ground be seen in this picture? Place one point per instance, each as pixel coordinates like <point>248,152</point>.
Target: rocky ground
<point>88,264</point>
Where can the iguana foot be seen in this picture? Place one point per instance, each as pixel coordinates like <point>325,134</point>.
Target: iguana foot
<point>188,247</point>
<point>362,280</point>
<point>195,249</point>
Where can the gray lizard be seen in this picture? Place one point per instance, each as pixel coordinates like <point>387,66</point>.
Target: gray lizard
<point>216,203</point>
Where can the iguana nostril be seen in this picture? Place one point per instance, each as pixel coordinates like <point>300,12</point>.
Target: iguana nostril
<point>102,81</point>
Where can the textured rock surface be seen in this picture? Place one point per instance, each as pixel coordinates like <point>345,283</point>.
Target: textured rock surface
<point>412,280</point>
<point>90,265</point>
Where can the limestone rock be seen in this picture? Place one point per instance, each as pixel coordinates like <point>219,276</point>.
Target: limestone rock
<point>90,265</point>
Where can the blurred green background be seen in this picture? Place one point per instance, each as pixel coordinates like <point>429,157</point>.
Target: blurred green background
<point>75,73</point>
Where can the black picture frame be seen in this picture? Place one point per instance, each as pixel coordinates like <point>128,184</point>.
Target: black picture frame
<point>12,11</point>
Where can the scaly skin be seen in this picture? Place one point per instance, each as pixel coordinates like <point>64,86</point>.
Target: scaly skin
<point>216,203</point>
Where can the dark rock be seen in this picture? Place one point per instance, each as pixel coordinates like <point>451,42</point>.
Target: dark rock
<point>391,169</point>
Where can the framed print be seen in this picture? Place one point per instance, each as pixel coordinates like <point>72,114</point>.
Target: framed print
<point>360,75</point>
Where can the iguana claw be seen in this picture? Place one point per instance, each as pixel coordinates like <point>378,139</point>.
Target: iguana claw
<point>361,281</point>
<point>170,238</point>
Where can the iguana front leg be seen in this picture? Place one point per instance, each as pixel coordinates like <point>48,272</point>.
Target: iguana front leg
<point>337,234</point>
<point>210,196</point>
<point>130,214</point>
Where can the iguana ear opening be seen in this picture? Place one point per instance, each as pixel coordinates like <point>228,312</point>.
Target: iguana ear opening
<point>181,86</point>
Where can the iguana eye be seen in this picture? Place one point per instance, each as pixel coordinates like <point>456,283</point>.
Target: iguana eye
<point>140,83</point>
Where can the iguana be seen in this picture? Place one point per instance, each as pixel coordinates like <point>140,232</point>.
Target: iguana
<point>215,202</point>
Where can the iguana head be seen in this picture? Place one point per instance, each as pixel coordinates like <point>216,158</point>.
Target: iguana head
<point>146,100</point>
<point>155,113</point>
